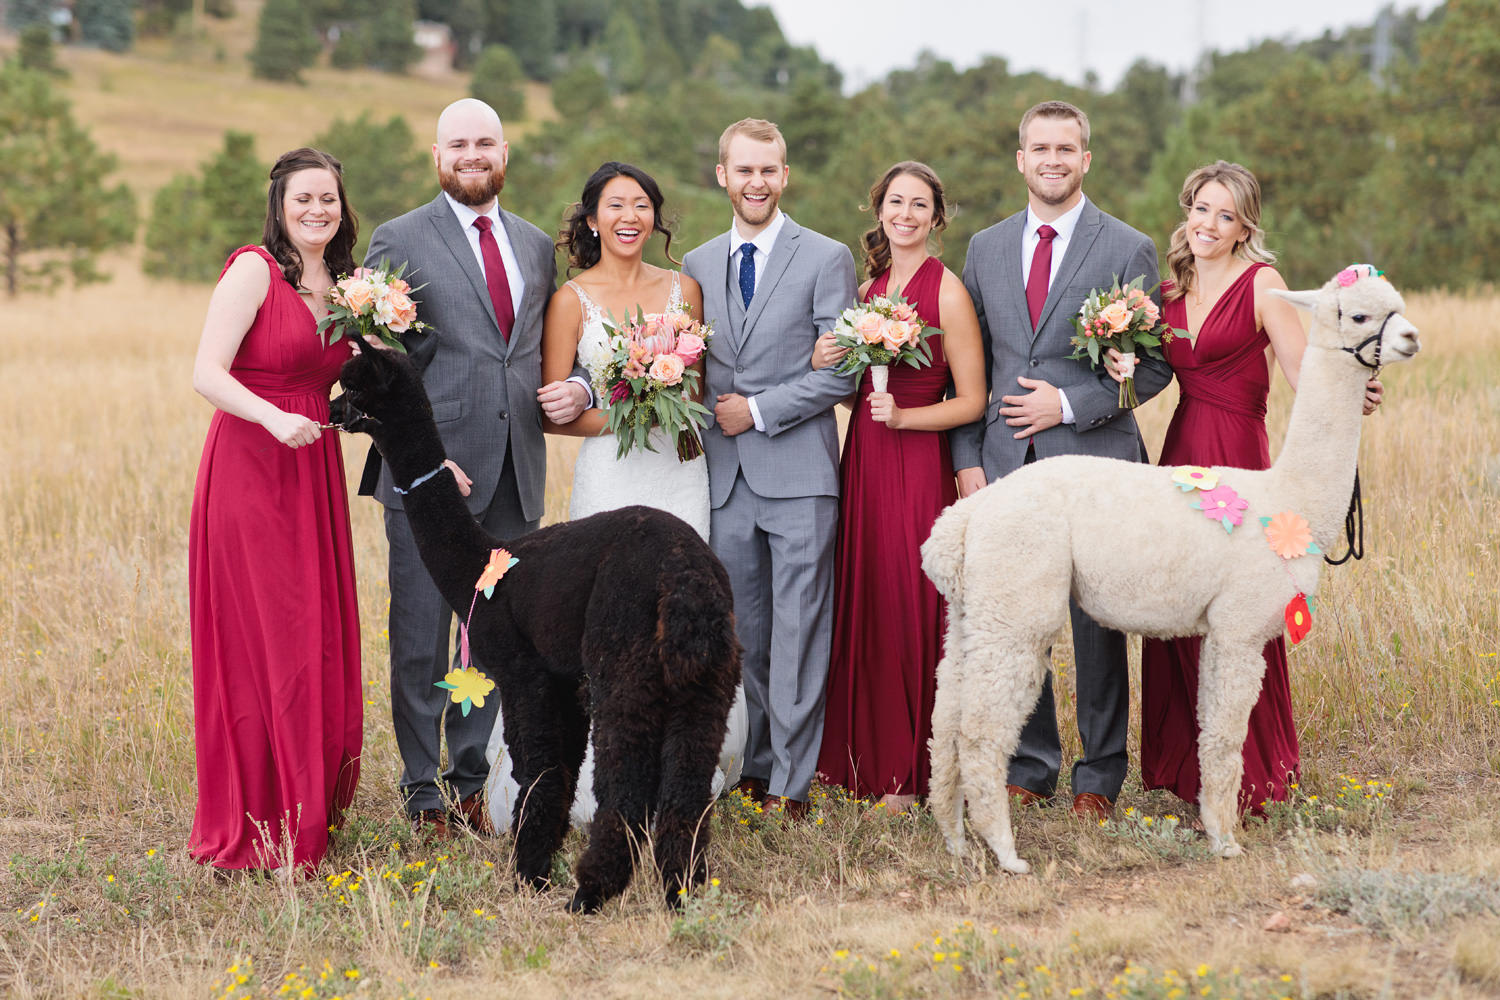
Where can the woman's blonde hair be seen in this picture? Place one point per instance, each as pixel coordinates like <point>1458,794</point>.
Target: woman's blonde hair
<point>1245,190</point>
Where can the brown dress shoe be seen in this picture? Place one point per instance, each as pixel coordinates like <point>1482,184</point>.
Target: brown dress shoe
<point>1025,796</point>
<point>472,814</point>
<point>753,789</point>
<point>1089,806</point>
<point>791,809</point>
<point>432,824</point>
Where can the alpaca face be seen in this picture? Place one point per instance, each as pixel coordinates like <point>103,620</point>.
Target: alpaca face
<point>381,387</point>
<point>1360,313</point>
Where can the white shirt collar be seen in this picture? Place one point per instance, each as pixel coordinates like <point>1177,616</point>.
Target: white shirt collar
<point>764,240</point>
<point>1063,225</point>
<point>466,215</point>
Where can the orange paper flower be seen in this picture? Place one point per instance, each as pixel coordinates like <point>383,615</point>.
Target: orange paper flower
<point>1289,535</point>
<point>500,562</point>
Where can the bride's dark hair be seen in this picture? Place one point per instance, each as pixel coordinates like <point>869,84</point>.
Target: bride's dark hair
<point>579,241</point>
<point>338,254</point>
<point>877,247</point>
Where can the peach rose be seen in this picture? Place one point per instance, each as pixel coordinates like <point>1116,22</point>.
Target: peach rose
<point>398,285</point>
<point>690,347</point>
<point>358,295</point>
<point>1117,315</point>
<point>904,312</point>
<point>898,334</point>
<point>667,369</point>
<point>1152,312</point>
<point>870,327</point>
<point>405,312</point>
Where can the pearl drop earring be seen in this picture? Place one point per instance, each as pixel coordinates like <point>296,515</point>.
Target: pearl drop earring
<point>594,231</point>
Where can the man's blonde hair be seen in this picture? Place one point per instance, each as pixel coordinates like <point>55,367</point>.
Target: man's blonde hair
<point>752,128</point>
<point>1060,110</point>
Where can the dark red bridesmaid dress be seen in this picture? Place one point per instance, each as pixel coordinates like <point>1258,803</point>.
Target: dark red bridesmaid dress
<point>277,702</point>
<point>888,618</point>
<point>1220,420</point>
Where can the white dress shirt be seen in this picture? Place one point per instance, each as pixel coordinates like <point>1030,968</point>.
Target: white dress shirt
<point>1063,225</point>
<point>513,275</point>
<point>762,243</point>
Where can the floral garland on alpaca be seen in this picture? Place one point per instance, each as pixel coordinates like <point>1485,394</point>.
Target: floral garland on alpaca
<point>467,686</point>
<point>1288,534</point>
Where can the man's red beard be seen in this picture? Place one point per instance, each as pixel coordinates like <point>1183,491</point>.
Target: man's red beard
<point>472,191</point>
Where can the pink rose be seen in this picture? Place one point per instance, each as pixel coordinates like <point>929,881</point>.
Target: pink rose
<point>363,273</point>
<point>1152,313</point>
<point>690,347</point>
<point>904,312</point>
<point>870,327</point>
<point>1116,315</point>
<point>405,312</point>
<point>397,285</point>
<point>667,369</point>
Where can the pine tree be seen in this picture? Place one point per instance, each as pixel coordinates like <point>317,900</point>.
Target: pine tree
<point>37,51</point>
<point>393,46</point>
<point>56,213</point>
<point>20,13</point>
<point>580,92</point>
<point>109,24</point>
<point>285,43</point>
<point>386,171</point>
<point>497,81</point>
<point>198,220</point>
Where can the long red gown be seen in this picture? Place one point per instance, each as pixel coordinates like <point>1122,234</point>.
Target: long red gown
<point>277,703</point>
<point>1220,420</point>
<point>887,631</point>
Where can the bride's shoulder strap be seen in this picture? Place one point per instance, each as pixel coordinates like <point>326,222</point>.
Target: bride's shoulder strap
<point>591,308</point>
<point>674,298</point>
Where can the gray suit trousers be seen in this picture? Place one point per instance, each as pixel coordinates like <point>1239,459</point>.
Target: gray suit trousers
<point>779,555</point>
<point>420,625</point>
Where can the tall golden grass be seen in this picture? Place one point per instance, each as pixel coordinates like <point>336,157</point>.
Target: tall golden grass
<point>99,439</point>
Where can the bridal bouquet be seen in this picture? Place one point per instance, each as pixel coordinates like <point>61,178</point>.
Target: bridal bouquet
<point>649,380</point>
<point>1122,318</point>
<point>879,333</point>
<point>370,302</point>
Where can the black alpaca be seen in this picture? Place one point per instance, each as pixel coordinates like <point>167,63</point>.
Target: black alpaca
<point>625,617</point>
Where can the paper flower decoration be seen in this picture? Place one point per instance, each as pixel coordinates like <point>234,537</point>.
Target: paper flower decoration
<point>1289,535</point>
<point>1194,477</point>
<point>1347,277</point>
<point>1224,505</point>
<point>1298,618</point>
<point>500,563</point>
<point>466,688</point>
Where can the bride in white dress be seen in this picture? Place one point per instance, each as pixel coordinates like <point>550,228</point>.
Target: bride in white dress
<point>605,236</point>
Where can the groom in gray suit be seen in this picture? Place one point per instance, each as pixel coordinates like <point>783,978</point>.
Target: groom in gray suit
<point>770,287</point>
<point>486,277</point>
<point>1028,276</point>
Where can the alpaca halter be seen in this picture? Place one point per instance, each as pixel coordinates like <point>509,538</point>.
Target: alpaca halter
<point>1377,338</point>
<point>418,481</point>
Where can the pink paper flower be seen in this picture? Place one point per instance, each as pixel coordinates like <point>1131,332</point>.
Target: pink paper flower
<point>1347,277</point>
<point>1224,505</point>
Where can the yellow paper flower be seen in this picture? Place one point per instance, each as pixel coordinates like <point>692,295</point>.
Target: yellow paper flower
<point>467,688</point>
<point>1194,477</point>
<point>1289,535</point>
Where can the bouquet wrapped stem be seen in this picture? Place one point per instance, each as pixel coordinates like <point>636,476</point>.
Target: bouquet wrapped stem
<point>880,377</point>
<point>882,332</point>
<point>1126,319</point>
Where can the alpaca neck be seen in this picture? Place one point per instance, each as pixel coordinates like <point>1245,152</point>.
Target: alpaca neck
<point>1314,472</point>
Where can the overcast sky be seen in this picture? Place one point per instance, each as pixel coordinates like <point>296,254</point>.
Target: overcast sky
<point>1063,38</point>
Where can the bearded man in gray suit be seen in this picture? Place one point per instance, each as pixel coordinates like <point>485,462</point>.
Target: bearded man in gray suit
<point>486,275</point>
<point>770,287</point>
<point>1028,276</point>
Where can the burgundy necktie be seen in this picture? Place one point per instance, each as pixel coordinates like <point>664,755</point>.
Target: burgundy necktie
<point>1041,274</point>
<point>494,276</point>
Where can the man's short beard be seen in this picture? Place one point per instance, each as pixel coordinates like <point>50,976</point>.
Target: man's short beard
<point>464,194</point>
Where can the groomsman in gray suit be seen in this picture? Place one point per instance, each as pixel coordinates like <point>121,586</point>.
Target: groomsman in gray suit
<point>770,287</point>
<point>1028,276</point>
<point>487,275</point>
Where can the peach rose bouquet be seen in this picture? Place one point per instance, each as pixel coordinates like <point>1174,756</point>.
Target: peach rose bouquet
<point>650,380</point>
<point>371,303</point>
<point>879,333</point>
<point>1124,318</point>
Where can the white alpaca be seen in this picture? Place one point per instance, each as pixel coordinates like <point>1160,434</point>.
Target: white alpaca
<point>1130,546</point>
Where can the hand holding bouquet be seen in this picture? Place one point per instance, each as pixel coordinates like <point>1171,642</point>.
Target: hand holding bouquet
<point>881,332</point>
<point>649,380</point>
<point>1123,319</point>
<point>371,303</point>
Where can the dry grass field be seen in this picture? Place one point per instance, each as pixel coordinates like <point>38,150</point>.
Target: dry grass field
<point>1381,880</point>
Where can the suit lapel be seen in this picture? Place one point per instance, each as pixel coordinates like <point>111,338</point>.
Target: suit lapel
<point>452,236</point>
<point>714,276</point>
<point>765,287</point>
<point>1012,287</point>
<point>1082,241</point>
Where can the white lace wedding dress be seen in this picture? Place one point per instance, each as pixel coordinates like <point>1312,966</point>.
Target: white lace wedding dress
<point>602,481</point>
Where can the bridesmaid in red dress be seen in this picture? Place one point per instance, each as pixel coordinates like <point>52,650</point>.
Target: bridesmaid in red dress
<point>1220,274</point>
<point>277,703</point>
<point>895,479</point>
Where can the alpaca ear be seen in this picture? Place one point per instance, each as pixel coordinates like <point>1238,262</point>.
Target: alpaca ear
<point>1302,300</point>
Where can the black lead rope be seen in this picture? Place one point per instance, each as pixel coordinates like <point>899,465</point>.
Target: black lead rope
<point>1354,528</point>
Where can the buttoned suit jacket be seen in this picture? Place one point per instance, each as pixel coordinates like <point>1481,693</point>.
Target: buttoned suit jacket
<point>766,352</point>
<point>1101,249</point>
<point>483,389</point>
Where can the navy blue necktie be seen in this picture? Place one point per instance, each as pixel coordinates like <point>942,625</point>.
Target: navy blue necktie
<point>747,272</point>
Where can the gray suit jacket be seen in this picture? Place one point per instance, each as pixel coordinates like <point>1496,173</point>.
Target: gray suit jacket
<point>1101,248</point>
<point>766,352</point>
<point>483,390</point>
